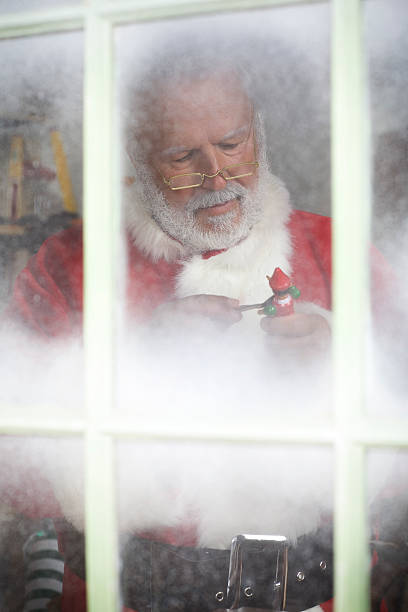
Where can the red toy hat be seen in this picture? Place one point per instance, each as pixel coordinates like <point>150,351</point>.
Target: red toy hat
<point>279,281</point>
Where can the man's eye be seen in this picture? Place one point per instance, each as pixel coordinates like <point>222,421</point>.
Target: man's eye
<point>228,146</point>
<point>185,157</point>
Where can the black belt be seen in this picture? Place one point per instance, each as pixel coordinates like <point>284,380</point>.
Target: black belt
<point>258,572</point>
<point>157,577</point>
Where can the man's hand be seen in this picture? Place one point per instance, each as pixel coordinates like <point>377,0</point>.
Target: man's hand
<point>222,310</point>
<point>298,336</point>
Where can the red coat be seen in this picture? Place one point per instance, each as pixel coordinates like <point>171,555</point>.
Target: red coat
<point>47,295</point>
<point>47,298</point>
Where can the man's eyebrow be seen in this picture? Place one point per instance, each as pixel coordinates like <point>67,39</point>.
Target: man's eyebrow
<point>237,132</point>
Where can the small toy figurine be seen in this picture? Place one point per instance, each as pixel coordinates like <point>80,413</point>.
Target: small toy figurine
<point>281,302</point>
<point>284,292</point>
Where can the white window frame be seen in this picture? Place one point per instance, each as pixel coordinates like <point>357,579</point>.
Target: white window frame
<point>350,432</point>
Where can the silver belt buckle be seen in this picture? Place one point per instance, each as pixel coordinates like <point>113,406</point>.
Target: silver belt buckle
<point>258,572</point>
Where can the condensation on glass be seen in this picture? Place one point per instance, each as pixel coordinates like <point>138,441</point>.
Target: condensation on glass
<point>387,501</point>
<point>41,511</point>
<point>40,194</point>
<point>228,376</point>
<point>386,43</point>
<point>18,6</point>
<point>179,514</point>
<point>289,71</point>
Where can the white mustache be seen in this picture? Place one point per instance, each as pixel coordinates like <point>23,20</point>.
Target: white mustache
<point>212,198</point>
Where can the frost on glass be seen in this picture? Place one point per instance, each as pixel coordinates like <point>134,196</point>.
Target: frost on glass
<point>387,473</point>
<point>178,516</point>
<point>40,195</point>
<point>28,5</point>
<point>283,68</point>
<point>288,66</point>
<point>41,515</point>
<point>386,40</point>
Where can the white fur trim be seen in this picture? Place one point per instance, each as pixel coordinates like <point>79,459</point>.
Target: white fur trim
<point>147,235</point>
<point>224,490</point>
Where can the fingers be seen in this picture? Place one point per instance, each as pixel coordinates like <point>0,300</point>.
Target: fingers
<point>212,307</point>
<point>299,331</point>
<point>294,326</point>
<point>221,309</point>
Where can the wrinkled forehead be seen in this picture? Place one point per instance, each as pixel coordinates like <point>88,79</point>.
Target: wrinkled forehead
<point>187,111</point>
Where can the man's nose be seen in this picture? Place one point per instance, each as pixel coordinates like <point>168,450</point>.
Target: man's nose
<point>213,180</point>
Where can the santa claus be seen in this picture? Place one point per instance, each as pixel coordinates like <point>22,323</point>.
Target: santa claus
<point>206,222</point>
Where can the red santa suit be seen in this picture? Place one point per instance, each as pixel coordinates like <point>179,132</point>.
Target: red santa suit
<point>47,295</point>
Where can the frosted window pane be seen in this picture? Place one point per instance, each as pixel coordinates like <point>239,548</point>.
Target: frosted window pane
<point>28,5</point>
<point>201,496</point>
<point>386,36</point>
<point>285,70</point>
<point>40,194</point>
<point>41,510</point>
<point>387,472</point>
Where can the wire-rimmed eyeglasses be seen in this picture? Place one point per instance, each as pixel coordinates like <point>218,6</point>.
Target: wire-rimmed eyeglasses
<point>196,179</point>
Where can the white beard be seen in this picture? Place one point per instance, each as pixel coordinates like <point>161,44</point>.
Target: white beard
<point>225,231</point>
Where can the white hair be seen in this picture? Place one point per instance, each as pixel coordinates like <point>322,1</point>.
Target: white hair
<point>173,63</point>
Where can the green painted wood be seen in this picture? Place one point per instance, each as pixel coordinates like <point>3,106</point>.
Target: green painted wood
<point>31,23</point>
<point>100,254</point>
<point>34,22</point>
<point>130,11</point>
<point>351,214</point>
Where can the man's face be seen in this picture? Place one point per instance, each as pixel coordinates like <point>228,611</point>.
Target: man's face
<point>203,127</point>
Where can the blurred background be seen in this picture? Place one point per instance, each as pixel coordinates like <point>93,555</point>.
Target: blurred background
<point>40,144</point>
